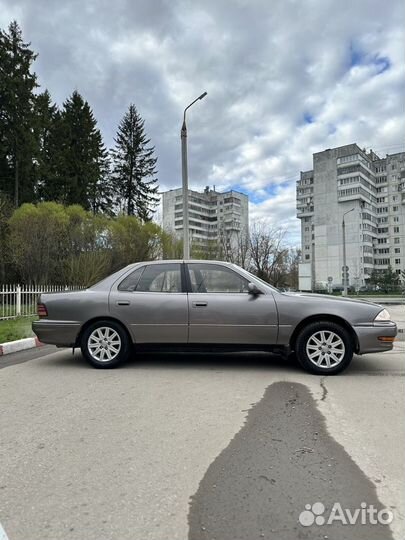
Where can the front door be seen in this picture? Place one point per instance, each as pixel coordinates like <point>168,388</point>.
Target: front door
<point>221,310</point>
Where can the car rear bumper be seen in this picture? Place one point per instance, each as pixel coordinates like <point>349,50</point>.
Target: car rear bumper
<point>61,333</point>
<point>370,337</point>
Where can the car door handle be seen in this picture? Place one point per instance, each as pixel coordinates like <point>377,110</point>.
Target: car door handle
<point>200,304</point>
<point>123,303</point>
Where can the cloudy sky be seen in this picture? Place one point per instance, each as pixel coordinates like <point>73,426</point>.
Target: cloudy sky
<point>285,78</point>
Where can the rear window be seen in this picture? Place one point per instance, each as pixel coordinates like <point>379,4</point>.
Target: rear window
<point>130,282</point>
<point>161,278</point>
<point>153,278</point>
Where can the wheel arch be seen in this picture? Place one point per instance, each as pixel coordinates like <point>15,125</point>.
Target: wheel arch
<point>101,318</point>
<point>324,318</point>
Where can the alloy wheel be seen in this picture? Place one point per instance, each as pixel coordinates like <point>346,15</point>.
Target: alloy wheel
<point>325,349</point>
<point>104,344</point>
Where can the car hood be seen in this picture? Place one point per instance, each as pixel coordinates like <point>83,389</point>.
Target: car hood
<point>332,298</point>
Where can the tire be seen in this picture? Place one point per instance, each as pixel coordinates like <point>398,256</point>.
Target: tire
<point>324,348</point>
<point>105,344</point>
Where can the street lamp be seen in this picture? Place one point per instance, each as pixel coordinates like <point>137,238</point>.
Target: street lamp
<point>184,174</point>
<point>344,252</point>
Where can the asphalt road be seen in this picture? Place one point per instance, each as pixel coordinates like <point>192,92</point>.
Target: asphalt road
<point>199,447</point>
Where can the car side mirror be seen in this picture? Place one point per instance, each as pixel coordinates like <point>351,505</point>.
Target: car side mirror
<point>253,289</point>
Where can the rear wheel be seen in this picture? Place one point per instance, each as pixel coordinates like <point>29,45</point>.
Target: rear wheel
<point>105,344</point>
<point>324,348</point>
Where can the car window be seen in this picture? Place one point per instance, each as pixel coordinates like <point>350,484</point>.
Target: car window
<point>131,281</point>
<point>160,278</point>
<point>211,278</point>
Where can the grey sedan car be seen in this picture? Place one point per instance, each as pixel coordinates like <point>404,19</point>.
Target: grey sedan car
<point>197,304</point>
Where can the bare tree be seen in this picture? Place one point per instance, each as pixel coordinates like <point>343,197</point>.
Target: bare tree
<point>235,248</point>
<point>268,252</point>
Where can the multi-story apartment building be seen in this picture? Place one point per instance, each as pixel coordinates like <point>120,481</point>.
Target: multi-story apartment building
<point>370,192</point>
<point>213,216</point>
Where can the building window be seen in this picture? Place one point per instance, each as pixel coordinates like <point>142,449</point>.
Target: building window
<point>396,229</point>
<point>395,208</point>
<point>396,219</point>
<point>397,250</point>
<point>396,240</point>
<point>397,261</point>
<point>306,257</point>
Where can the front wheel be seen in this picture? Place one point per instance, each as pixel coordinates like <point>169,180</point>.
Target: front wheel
<point>105,344</point>
<point>324,348</point>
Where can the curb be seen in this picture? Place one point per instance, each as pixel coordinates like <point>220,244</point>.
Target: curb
<point>19,345</point>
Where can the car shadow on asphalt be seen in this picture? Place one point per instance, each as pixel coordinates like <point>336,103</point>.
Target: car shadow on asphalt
<point>242,361</point>
<point>246,360</point>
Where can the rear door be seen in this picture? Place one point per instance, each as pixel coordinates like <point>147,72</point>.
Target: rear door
<point>152,302</point>
<point>221,310</point>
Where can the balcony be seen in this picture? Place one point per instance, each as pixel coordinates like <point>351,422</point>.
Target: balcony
<point>305,210</point>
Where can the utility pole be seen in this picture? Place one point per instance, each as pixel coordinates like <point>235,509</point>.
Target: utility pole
<point>344,293</point>
<point>184,174</point>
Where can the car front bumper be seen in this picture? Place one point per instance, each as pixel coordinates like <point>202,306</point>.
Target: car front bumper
<point>60,333</point>
<point>368,337</point>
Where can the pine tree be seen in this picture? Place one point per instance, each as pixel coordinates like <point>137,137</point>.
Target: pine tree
<point>101,193</point>
<point>78,161</point>
<point>44,119</point>
<point>17,144</point>
<point>134,166</point>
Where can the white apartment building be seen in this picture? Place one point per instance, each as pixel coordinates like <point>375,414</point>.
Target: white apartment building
<point>370,190</point>
<point>213,216</point>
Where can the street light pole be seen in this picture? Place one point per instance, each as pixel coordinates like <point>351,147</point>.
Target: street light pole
<point>184,175</point>
<point>344,252</point>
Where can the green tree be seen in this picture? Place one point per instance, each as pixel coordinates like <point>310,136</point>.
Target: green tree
<point>43,126</point>
<point>17,143</point>
<point>87,257</point>
<point>171,246</point>
<point>134,167</point>
<point>101,192</point>
<point>38,261</point>
<point>6,209</point>
<point>78,158</point>
<point>131,240</point>
<point>75,247</point>
<point>386,280</point>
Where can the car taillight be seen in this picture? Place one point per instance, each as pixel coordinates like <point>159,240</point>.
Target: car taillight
<point>41,310</point>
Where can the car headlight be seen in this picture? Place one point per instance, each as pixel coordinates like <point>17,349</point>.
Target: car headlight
<point>383,316</point>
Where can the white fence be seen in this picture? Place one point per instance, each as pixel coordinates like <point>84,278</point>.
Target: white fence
<point>21,300</point>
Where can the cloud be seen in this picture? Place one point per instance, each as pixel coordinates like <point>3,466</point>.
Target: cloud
<point>284,79</point>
